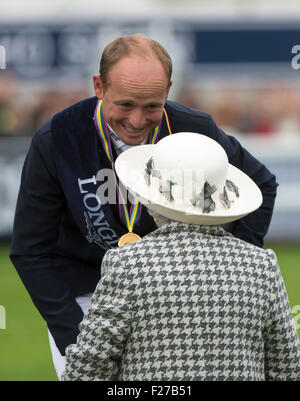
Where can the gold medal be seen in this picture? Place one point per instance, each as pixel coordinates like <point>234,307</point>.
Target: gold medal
<point>128,239</point>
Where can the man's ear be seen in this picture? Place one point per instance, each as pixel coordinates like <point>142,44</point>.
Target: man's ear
<point>169,87</point>
<point>98,86</point>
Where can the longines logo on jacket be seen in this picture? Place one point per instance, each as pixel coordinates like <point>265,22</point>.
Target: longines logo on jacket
<point>99,230</point>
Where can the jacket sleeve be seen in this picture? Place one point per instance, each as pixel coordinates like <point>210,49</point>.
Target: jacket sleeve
<point>104,329</point>
<point>35,232</point>
<point>253,227</point>
<point>282,347</point>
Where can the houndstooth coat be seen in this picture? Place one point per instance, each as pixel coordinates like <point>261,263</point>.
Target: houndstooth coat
<point>187,303</point>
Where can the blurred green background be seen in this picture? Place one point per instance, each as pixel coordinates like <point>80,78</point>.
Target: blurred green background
<point>24,348</point>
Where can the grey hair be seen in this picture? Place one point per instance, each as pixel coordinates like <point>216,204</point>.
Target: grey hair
<point>158,218</point>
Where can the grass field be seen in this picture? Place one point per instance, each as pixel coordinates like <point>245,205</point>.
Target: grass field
<point>24,347</point>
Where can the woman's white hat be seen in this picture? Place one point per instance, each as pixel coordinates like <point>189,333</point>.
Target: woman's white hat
<point>186,177</point>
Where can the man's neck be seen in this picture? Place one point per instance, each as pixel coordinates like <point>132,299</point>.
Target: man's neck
<point>118,144</point>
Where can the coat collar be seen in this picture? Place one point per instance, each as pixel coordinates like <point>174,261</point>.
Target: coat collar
<point>178,227</point>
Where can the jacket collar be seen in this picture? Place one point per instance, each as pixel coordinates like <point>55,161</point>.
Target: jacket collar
<point>176,227</point>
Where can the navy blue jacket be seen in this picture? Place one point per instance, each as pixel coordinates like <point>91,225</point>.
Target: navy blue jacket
<point>62,228</point>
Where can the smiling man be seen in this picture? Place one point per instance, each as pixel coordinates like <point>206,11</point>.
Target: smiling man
<point>63,223</point>
<point>134,95</point>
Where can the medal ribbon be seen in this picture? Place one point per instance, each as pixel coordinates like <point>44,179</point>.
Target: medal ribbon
<point>103,133</point>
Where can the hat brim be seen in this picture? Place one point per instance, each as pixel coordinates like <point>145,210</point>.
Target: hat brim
<point>130,168</point>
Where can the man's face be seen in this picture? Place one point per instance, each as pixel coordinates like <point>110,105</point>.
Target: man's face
<point>133,101</point>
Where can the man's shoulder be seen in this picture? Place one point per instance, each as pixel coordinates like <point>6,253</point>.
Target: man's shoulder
<point>184,118</point>
<point>43,133</point>
<point>76,110</point>
<point>42,137</point>
<point>84,104</point>
<point>175,107</point>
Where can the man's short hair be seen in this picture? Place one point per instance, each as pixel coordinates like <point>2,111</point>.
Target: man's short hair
<point>132,44</point>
